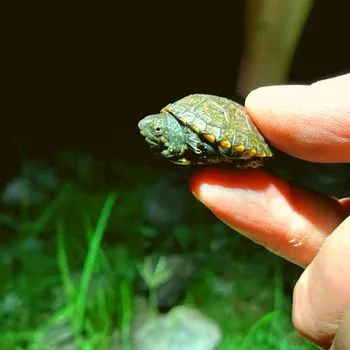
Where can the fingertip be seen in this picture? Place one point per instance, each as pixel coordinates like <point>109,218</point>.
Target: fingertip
<point>262,96</point>
<point>267,99</point>
<point>301,99</point>
<point>257,97</point>
<point>194,184</point>
<point>307,122</point>
<point>202,180</point>
<point>217,188</point>
<point>198,179</point>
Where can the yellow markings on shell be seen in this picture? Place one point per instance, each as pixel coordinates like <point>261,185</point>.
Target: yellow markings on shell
<point>195,129</point>
<point>239,148</point>
<point>164,110</point>
<point>251,152</point>
<point>182,120</point>
<point>225,144</point>
<point>209,137</point>
<point>261,155</point>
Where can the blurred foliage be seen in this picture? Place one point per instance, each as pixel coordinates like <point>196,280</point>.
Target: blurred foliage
<point>73,262</point>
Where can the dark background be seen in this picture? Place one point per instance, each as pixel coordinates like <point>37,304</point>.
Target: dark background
<point>80,75</point>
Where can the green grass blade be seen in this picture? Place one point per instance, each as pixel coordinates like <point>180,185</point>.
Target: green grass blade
<point>126,317</point>
<point>39,225</point>
<point>266,319</point>
<point>63,264</point>
<point>90,261</point>
<point>102,259</point>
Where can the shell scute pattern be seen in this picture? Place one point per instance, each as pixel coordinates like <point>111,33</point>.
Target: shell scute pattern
<point>220,117</point>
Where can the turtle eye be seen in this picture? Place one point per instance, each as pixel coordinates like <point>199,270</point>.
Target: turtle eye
<point>157,130</point>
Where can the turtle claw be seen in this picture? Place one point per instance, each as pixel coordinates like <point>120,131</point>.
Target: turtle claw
<point>182,161</point>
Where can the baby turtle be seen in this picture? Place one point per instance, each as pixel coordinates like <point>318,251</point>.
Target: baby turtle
<point>205,129</point>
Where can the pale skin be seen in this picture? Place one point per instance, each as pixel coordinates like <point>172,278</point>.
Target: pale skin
<point>312,230</point>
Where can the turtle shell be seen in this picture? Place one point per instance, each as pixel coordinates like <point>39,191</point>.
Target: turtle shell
<point>225,124</point>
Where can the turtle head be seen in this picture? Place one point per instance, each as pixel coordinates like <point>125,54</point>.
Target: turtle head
<point>164,131</point>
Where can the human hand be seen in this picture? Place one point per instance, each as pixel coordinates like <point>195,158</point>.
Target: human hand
<point>311,123</point>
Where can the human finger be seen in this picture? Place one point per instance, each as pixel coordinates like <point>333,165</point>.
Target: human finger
<point>311,122</point>
<point>342,336</point>
<point>292,222</point>
<point>321,295</point>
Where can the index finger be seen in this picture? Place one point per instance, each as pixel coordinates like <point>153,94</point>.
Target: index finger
<point>292,222</point>
<point>311,122</point>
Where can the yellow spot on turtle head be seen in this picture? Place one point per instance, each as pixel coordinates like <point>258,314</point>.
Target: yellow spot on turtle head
<point>225,144</point>
<point>209,137</point>
<point>251,152</point>
<point>239,148</point>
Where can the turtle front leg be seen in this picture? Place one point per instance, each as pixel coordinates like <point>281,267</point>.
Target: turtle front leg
<point>193,141</point>
<point>173,151</point>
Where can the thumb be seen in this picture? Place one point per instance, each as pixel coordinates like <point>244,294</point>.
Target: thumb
<point>321,295</point>
<point>311,122</point>
<point>342,337</point>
